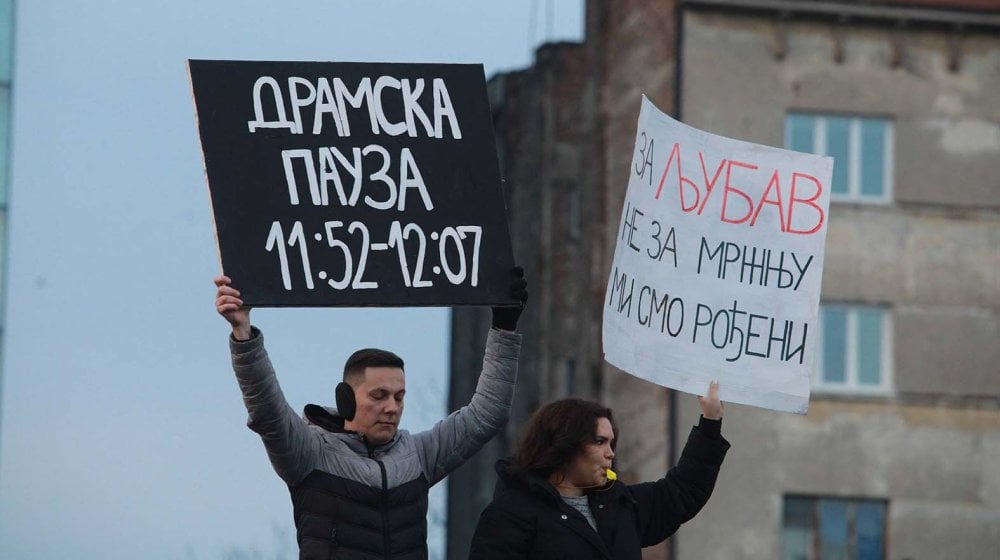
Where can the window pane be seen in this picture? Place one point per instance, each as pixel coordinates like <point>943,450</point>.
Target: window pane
<point>869,525</point>
<point>838,141</point>
<point>834,345</point>
<point>869,346</point>
<point>795,543</point>
<point>833,532</point>
<point>800,133</point>
<point>797,533</point>
<point>832,529</point>
<point>798,512</point>
<point>872,157</point>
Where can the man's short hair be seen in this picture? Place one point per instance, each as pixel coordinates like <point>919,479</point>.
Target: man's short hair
<point>370,357</point>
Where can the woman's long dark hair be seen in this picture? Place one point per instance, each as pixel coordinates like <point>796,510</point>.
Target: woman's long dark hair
<point>557,432</point>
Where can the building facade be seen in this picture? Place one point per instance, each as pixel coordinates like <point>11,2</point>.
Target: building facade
<point>898,456</point>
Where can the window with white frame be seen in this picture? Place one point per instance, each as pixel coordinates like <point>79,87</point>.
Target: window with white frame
<point>827,528</point>
<point>855,350</point>
<point>862,148</point>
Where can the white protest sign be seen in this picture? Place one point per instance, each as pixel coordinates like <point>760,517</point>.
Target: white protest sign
<point>718,263</point>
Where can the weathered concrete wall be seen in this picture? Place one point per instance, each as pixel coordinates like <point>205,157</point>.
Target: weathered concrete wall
<point>947,124</point>
<point>932,256</point>
<point>947,351</point>
<point>912,257</point>
<point>566,129</point>
<point>933,253</point>
<point>936,464</point>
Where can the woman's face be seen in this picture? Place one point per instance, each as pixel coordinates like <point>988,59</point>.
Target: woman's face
<point>589,468</point>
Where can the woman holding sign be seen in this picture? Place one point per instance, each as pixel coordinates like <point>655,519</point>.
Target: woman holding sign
<point>558,497</point>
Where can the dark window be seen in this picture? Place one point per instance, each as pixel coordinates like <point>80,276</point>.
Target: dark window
<point>816,528</point>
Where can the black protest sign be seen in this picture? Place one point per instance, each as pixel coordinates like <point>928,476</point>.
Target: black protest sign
<point>354,184</point>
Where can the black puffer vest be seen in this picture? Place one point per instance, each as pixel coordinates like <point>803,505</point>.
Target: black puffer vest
<point>343,519</point>
<point>346,520</point>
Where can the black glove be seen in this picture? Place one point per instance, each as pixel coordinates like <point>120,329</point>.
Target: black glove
<point>506,317</point>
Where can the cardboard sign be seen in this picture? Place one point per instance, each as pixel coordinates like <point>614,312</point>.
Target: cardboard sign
<point>718,264</point>
<point>354,184</point>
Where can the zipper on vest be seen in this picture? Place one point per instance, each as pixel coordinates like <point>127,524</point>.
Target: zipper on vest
<point>384,510</point>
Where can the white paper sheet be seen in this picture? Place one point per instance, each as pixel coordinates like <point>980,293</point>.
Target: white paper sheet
<point>718,264</point>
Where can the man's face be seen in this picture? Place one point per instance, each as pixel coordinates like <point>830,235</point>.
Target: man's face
<point>589,468</point>
<point>379,404</point>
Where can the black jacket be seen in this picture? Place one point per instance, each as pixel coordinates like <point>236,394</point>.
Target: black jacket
<point>528,519</point>
<point>356,502</point>
<point>337,517</point>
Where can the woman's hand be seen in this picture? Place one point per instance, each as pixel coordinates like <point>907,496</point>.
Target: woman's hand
<point>711,406</point>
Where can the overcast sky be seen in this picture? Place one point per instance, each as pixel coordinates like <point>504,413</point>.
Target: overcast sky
<point>123,430</point>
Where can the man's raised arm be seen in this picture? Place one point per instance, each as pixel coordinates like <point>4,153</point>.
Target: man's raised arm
<point>451,441</point>
<point>292,447</point>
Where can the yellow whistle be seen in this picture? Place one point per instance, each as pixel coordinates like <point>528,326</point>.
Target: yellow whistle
<point>612,475</point>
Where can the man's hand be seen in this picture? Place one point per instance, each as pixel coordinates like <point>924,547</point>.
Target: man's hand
<point>711,406</point>
<point>505,318</point>
<point>230,306</point>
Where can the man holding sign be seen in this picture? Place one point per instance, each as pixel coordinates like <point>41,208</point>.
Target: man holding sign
<point>339,183</point>
<point>358,484</point>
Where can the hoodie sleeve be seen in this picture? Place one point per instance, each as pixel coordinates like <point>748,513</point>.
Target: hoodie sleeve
<point>293,448</point>
<point>451,441</point>
<point>667,503</point>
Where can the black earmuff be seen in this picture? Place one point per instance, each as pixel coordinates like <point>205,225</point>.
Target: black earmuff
<point>346,405</point>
